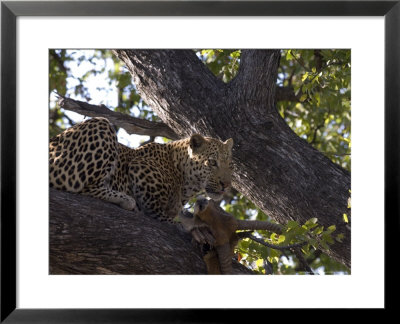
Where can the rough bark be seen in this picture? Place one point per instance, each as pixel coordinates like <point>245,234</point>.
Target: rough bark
<point>280,172</point>
<point>90,236</point>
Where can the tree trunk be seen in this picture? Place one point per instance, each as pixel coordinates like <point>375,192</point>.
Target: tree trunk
<point>90,236</point>
<point>280,172</point>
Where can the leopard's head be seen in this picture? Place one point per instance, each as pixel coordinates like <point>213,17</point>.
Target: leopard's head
<point>214,158</point>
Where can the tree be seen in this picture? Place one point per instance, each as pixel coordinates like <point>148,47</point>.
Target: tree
<point>287,178</point>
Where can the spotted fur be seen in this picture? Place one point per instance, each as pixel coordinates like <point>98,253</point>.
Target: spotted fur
<point>158,179</point>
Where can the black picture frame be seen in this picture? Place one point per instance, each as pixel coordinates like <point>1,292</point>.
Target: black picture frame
<point>11,10</point>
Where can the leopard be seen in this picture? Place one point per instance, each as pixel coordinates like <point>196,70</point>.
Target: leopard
<point>157,179</point>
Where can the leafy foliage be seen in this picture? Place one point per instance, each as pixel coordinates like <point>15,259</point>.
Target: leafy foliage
<point>321,81</point>
<point>318,110</point>
<point>313,236</point>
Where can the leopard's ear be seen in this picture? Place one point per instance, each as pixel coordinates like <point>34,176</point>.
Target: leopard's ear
<point>229,143</point>
<point>197,143</point>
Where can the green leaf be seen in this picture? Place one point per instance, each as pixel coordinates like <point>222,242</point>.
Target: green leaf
<point>259,263</point>
<point>273,260</point>
<point>306,249</point>
<point>346,220</point>
<point>311,223</point>
<point>303,97</point>
<point>244,244</point>
<point>318,230</point>
<point>289,55</point>
<point>331,228</point>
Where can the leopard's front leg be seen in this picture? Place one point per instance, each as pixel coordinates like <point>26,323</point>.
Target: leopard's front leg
<point>113,196</point>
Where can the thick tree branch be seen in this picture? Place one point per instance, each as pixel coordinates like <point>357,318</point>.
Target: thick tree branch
<point>255,81</point>
<point>131,124</point>
<point>90,236</point>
